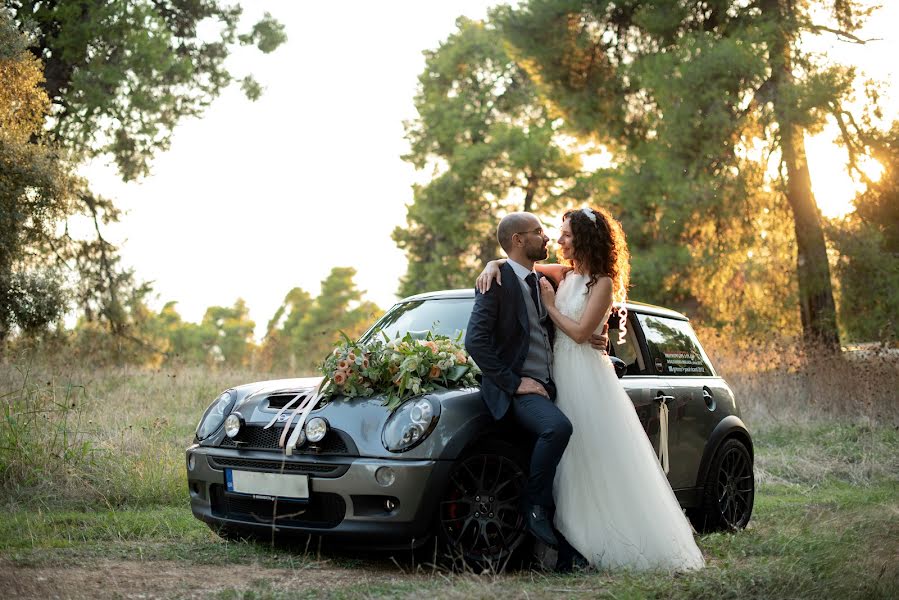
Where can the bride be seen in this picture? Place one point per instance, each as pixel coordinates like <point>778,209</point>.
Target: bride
<point>614,504</point>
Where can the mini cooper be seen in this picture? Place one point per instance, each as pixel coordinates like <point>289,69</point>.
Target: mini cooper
<point>439,468</point>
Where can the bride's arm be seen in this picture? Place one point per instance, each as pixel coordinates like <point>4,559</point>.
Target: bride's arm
<point>554,271</point>
<point>491,273</point>
<point>598,304</point>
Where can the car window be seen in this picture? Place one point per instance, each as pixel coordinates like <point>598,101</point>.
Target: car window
<point>628,350</point>
<point>444,316</point>
<point>673,347</point>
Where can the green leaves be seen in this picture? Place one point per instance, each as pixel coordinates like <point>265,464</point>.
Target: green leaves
<point>397,369</point>
<point>305,329</point>
<point>123,74</point>
<point>492,145</point>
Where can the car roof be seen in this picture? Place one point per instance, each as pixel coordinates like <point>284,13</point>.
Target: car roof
<point>468,293</point>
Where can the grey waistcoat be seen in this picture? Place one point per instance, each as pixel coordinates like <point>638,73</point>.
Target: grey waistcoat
<point>538,362</point>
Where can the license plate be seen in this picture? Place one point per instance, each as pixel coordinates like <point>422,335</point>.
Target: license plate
<point>267,484</point>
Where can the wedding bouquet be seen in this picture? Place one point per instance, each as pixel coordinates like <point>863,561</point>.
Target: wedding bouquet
<point>397,368</point>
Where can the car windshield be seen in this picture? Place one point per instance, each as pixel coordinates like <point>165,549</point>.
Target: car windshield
<point>444,316</point>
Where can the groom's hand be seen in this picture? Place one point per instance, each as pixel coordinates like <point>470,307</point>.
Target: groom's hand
<point>601,341</point>
<point>531,386</point>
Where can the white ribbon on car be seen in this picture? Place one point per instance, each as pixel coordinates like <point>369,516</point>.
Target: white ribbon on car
<point>303,409</point>
<point>663,435</point>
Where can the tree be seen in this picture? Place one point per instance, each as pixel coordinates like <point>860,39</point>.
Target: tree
<point>868,244</point>
<point>493,148</point>
<point>120,75</point>
<point>232,339</point>
<point>695,96</point>
<point>34,191</point>
<point>304,330</point>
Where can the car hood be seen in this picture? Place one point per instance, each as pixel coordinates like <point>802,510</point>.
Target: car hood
<point>362,419</point>
<point>295,384</point>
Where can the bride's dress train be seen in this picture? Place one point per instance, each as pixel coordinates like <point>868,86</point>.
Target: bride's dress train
<point>614,504</point>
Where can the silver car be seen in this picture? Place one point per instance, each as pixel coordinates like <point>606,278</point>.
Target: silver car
<point>439,467</point>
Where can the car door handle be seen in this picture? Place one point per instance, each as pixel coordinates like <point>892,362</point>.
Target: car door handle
<point>663,398</point>
<point>709,399</point>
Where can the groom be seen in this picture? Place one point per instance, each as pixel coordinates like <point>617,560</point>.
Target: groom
<point>510,338</point>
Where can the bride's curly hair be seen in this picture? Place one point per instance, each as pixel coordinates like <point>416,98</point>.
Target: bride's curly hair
<point>600,247</point>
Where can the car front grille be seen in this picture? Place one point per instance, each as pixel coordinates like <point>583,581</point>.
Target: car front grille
<point>277,466</point>
<point>323,511</point>
<point>254,437</point>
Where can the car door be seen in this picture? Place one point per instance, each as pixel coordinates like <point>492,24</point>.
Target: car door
<point>678,359</point>
<point>646,389</point>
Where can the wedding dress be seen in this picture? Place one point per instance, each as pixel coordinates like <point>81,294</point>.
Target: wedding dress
<point>614,504</point>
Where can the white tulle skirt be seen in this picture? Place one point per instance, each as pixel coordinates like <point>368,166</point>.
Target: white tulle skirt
<point>614,504</point>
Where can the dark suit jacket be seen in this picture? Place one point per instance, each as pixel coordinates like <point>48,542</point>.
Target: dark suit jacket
<point>498,337</point>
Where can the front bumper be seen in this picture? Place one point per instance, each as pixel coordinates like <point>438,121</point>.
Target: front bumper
<point>346,503</point>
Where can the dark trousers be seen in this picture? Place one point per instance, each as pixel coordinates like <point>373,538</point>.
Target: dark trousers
<point>541,417</point>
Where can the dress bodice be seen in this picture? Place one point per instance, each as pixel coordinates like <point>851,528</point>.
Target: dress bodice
<point>571,300</point>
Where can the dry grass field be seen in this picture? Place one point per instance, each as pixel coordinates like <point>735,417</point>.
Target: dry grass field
<point>94,495</point>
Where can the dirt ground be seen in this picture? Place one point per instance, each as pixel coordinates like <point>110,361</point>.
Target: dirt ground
<point>171,579</point>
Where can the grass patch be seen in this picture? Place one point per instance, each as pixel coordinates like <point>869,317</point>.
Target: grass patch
<point>810,537</point>
<point>92,475</point>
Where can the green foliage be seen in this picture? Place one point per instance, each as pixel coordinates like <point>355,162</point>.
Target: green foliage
<point>34,192</point>
<point>493,147</point>
<point>867,240</point>
<point>304,329</point>
<point>397,369</point>
<point>108,78</point>
<point>701,100</point>
<point>122,74</point>
<point>232,333</point>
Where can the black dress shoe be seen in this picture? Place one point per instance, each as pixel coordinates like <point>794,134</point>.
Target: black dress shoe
<point>539,525</point>
<point>569,559</point>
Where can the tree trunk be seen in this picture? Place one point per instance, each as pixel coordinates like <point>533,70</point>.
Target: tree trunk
<point>529,193</point>
<point>817,308</point>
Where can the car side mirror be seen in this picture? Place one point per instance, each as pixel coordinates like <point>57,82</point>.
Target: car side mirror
<point>620,366</point>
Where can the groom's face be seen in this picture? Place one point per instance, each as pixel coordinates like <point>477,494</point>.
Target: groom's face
<point>535,241</point>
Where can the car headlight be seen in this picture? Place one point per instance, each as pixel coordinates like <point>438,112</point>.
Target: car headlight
<point>410,424</point>
<point>315,429</point>
<point>232,425</point>
<point>215,415</point>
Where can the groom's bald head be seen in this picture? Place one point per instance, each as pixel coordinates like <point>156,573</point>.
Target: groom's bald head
<point>514,223</point>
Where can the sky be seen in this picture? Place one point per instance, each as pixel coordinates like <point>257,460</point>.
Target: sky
<point>255,198</point>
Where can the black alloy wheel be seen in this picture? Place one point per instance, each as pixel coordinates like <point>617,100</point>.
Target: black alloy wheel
<point>729,491</point>
<point>480,517</point>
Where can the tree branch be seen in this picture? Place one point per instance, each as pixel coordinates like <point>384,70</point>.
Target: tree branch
<point>849,37</point>
<point>851,148</point>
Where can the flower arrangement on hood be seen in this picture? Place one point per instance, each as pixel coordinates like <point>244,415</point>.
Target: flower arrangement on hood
<point>397,368</point>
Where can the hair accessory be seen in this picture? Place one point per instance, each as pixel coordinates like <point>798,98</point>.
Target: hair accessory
<point>589,213</point>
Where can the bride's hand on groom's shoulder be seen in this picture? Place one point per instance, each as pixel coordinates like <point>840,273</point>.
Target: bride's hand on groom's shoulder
<point>487,276</point>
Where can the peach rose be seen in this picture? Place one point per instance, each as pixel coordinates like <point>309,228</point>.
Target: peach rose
<point>365,363</point>
<point>434,372</point>
<point>430,344</point>
<point>351,356</point>
<point>460,358</point>
<point>343,365</point>
<point>340,377</point>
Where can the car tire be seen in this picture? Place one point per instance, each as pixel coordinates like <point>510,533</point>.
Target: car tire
<point>728,492</point>
<point>479,520</point>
